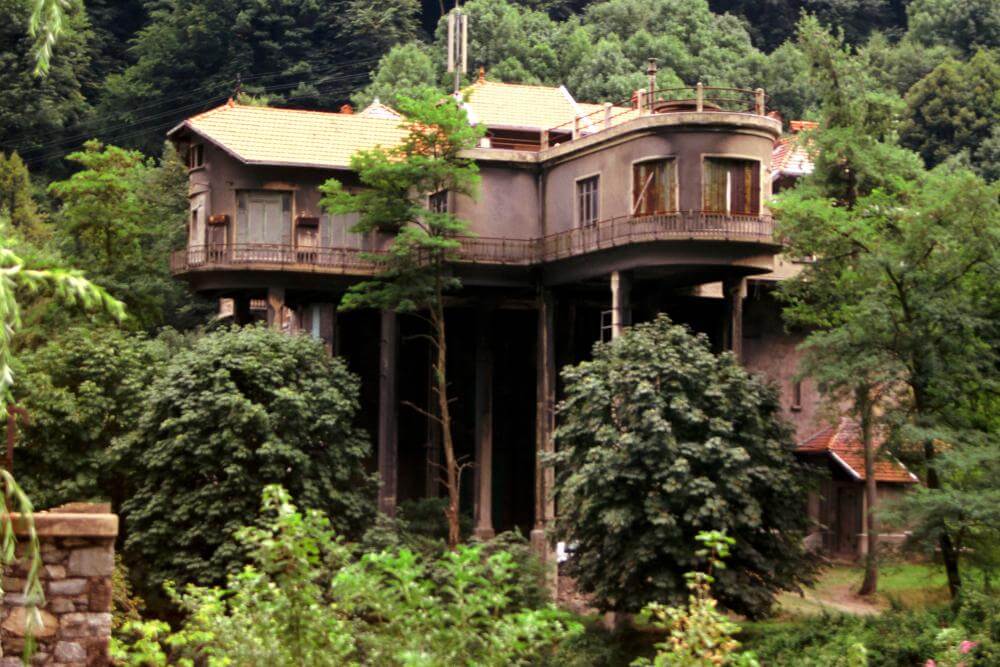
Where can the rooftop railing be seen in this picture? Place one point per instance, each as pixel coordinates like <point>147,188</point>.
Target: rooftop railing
<point>610,233</point>
<point>697,98</point>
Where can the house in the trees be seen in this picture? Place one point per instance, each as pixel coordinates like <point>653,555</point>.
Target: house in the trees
<point>591,216</point>
<point>840,505</point>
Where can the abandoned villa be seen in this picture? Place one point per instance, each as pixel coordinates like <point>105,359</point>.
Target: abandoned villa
<point>590,217</point>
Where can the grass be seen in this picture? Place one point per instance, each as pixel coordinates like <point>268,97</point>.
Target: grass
<point>906,584</point>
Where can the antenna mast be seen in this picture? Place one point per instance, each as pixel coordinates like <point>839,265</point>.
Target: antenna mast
<point>458,44</point>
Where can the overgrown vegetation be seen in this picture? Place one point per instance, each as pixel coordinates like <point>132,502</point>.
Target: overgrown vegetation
<point>659,439</point>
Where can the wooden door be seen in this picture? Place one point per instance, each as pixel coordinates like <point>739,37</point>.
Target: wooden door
<point>848,519</point>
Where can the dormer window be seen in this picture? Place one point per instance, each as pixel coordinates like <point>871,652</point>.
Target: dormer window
<point>731,186</point>
<point>438,202</point>
<point>196,156</point>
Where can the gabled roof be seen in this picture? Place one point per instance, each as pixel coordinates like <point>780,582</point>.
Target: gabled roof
<point>514,105</point>
<point>290,137</point>
<point>790,156</point>
<point>842,443</point>
<point>378,110</point>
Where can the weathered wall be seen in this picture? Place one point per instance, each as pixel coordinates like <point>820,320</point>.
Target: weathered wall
<point>507,206</point>
<point>78,556</point>
<point>614,165</point>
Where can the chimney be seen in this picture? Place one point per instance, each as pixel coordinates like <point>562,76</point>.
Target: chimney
<point>482,75</point>
<point>347,109</point>
<point>797,126</point>
<point>651,75</point>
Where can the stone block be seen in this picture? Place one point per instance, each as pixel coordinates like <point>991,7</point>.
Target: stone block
<point>69,652</point>
<point>99,594</point>
<point>61,606</point>
<point>52,554</point>
<point>13,584</point>
<point>67,586</point>
<point>53,572</point>
<point>80,624</point>
<point>17,619</point>
<point>10,662</point>
<point>92,562</point>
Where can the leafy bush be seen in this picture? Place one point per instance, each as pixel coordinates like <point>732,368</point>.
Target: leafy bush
<point>238,409</point>
<point>698,635</point>
<point>659,440</point>
<point>970,636</point>
<point>306,600</point>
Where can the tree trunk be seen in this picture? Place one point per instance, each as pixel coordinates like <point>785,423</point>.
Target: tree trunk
<point>949,554</point>
<point>452,476</point>
<point>865,408</point>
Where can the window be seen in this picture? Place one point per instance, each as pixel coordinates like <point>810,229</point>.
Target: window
<point>796,396</point>
<point>606,326</point>
<point>438,202</point>
<point>587,201</point>
<point>653,188</point>
<point>731,186</point>
<point>196,156</point>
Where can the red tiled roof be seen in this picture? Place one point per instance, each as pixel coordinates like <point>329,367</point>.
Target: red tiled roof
<point>843,443</point>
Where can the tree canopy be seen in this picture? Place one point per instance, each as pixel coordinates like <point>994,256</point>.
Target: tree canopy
<point>659,439</point>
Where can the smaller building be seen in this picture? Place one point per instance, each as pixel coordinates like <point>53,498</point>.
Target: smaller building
<point>839,506</point>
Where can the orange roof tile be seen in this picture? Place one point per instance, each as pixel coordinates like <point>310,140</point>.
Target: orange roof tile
<point>265,135</point>
<point>790,156</point>
<point>843,443</point>
<point>517,105</point>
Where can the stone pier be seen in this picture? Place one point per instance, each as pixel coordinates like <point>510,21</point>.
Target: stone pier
<point>77,544</point>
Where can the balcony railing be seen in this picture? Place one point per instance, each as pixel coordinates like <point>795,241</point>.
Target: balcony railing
<point>611,233</point>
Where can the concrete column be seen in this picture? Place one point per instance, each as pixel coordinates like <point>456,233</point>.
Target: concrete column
<point>545,391</point>
<point>732,293</point>
<point>327,326</point>
<point>432,473</point>
<point>484,428</point>
<point>621,305</point>
<point>388,454</point>
<point>276,307</point>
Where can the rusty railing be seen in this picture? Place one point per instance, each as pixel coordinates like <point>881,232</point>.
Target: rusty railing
<point>610,233</point>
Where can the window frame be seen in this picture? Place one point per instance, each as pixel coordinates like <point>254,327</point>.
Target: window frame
<point>577,210</point>
<point>440,195</point>
<point>761,186</point>
<point>675,186</point>
<point>196,149</point>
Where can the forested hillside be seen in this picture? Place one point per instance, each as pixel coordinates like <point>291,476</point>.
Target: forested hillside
<point>124,72</point>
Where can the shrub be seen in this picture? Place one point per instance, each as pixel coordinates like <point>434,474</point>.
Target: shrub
<point>306,600</point>
<point>237,410</point>
<point>659,440</point>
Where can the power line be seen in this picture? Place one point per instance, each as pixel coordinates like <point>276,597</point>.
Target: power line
<point>160,126</point>
<point>120,132</point>
<point>106,119</point>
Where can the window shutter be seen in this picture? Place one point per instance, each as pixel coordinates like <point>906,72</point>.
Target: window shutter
<point>242,219</point>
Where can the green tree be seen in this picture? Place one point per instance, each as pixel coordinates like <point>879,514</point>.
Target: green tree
<point>122,214</point>
<point>954,108</point>
<point>903,273</point>
<point>966,25</point>
<point>402,72</point>
<point>37,111</point>
<point>415,270</point>
<point>659,439</point>
<point>17,205</point>
<point>82,389</point>
<point>239,409</point>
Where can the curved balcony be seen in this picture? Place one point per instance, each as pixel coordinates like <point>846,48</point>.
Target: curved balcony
<point>603,235</point>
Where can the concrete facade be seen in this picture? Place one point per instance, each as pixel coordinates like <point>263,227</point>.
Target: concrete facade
<point>546,285</point>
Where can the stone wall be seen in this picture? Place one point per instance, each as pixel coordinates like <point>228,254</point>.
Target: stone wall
<point>78,551</point>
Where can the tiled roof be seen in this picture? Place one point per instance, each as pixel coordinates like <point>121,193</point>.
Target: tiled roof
<point>790,156</point>
<point>843,443</point>
<point>264,135</point>
<point>516,105</point>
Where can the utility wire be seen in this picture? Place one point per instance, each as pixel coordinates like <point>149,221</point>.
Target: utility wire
<point>112,133</point>
<point>100,129</point>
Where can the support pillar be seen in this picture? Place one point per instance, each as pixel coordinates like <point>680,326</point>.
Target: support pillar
<point>545,392</point>
<point>621,305</point>
<point>327,313</point>
<point>484,428</point>
<point>276,307</point>
<point>388,454</point>
<point>732,339</point>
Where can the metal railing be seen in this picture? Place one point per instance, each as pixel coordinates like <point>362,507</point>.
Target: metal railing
<point>663,100</point>
<point>610,233</point>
